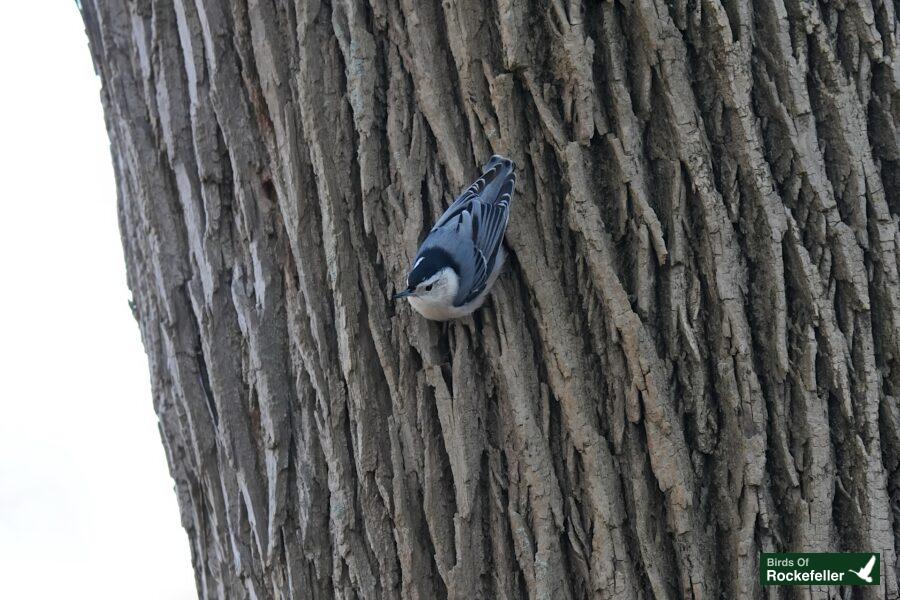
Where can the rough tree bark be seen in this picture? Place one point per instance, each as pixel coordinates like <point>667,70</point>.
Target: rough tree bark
<point>693,355</point>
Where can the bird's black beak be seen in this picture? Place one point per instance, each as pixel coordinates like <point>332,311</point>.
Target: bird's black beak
<point>404,293</point>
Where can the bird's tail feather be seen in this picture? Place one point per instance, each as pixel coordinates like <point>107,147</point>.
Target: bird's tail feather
<point>499,179</point>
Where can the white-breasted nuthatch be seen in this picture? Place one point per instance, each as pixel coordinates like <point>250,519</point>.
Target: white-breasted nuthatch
<point>461,257</point>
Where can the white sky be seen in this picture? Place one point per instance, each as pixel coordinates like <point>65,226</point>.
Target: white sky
<point>87,508</point>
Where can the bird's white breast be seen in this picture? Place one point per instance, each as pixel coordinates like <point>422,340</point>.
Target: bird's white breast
<point>444,310</point>
<point>437,311</point>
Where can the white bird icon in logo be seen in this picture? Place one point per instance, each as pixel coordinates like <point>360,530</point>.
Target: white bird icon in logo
<point>865,572</point>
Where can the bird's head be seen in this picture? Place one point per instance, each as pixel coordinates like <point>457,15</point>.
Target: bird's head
<point>433,279</point>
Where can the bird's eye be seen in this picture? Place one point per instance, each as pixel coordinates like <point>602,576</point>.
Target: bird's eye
<point>428,287</point>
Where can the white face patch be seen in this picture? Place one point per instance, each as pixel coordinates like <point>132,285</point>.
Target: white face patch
<point>432,280</point>
<point>417,263</point>
<point>435,303</point>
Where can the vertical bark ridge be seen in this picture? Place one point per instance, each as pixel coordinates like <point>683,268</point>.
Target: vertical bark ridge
<point>691,356</point>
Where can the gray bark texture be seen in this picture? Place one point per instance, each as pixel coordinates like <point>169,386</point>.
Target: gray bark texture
<point>693,354</point>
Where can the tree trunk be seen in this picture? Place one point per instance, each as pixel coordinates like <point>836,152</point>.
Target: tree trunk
<point>693,354</point>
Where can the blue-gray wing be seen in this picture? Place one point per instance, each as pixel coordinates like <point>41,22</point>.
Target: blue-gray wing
<point>481,215</point>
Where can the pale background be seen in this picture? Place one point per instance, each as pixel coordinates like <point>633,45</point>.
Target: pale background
<point>87,508</point>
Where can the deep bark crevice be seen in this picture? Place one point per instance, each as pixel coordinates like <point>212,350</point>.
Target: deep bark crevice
<point>692,353</point>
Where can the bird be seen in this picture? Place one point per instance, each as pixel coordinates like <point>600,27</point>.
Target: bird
<point>866,572</point>
<point>461,257</point>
